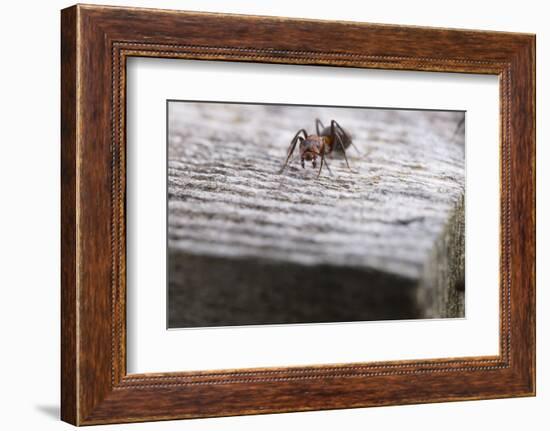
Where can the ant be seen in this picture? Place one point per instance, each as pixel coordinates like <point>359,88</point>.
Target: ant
<point>324,142</point>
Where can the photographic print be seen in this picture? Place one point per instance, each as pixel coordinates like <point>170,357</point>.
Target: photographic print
<point>294,214</point>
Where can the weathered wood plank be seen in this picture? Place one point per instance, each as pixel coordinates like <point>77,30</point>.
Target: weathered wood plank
<point>383,240</point>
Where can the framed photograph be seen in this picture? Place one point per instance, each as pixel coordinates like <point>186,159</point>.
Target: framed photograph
<point>263,214</point>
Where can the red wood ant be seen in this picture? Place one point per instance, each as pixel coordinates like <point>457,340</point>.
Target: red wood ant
<point>324,142</point>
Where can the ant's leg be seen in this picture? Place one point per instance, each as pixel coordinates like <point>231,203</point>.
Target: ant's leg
<point>323,162</point>
<point>346,135</point>
<point>317,128</point>
<point>328,167</point>
<point>321,165</point>
<point>459,126</point>
<point>291,148</point>
<point>356,149</point>
<point>335,136</point>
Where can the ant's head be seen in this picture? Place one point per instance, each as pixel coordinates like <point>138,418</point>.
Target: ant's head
<point>309,150</point>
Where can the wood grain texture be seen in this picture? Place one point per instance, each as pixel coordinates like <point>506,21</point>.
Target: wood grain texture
<point>247,245</point>
<point>96,42</point>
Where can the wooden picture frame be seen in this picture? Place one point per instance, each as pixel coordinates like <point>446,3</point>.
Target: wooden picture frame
<point>95,43</point>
